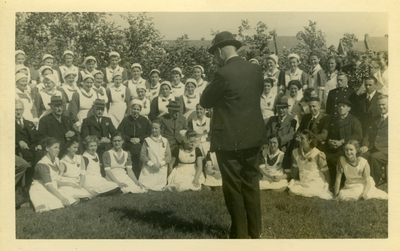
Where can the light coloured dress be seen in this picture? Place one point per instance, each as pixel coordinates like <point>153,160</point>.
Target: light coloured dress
<point>202,129</point>
<point>86,100</point>
<point>117,98</point>
<point>117,166</point>
<point>73,68</point>
<point>153,92</point>
<point>273,167</point>
<point>267,105</point>
<point>47,173</point>
<point>178,90</point>
<point>355,181</point>
<point>69,91</point>
<point>132,86</point>
<point>94,181</point>
<point>201,85</point>
<point>312,180</point>
<point>212,180</point>
<point>72,173</point>
<point>154,150</point>
<point>29,109</point>
<point>275,76</point>
<point>182,175</point>
<point>190,102</point>
<point>330,84</point>
<point>46,99</point>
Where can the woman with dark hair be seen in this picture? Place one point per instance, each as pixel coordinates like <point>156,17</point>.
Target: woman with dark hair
<point>201,125</point>
<point>189,99</point>
<point>90,65</point>
<point>294,73</point>
<point>155,156</point>
<point>272,72</point>
<point>315,75</point>
<point>294,96</point>
<point>73,173</point>
<point>359,183</point>
<point>310,165</point>
<point>356,71</point>
<point>187,172</point>
<point>198,75</point>
<point>68,57</point>
<point>94,182</point>
<point>159,104</point>
<point>273,175</point>
<point>118,167</point>
<point>267,100</point>
<point>333,65</point>
<point>44,192</point>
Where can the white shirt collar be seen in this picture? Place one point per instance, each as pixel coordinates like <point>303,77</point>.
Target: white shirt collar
<point>369,96</point>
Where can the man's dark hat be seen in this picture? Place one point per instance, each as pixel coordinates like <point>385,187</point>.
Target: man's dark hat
<point>282,102</point>
<point>101,103</point>
<point>346,102</point>
<point>314,99</point>
<point>56,100</point>
<point>173,105</point>
<point>222,39</point>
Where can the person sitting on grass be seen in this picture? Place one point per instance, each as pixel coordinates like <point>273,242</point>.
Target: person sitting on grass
<point>118,167</point>
<point>94,182</point>
<point>273,175</point>
<point>73,172</point>
<point>155,156</point>
<point>310,165</point>
<point>44,192</point>
<point>213,174</point>
<point>359,183</point>
<point>186,167</point>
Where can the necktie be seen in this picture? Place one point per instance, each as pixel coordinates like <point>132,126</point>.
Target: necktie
<point>20,123</point>
<point>311,123</point>
<point>382,120</point>
<point>368,101</point>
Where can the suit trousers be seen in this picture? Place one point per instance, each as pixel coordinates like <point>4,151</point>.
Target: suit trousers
<point>20,167</point>
<point>240,185</point>
<point>376,160</point>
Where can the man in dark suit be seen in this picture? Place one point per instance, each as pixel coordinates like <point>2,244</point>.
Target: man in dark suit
<point>99,126</point>
<point>173,123</point>
<point>341,128</point>
<point>375,143</point>
<point>56,124</point>
<point>341,92</point>
<point>26,140</point>
<point>315,122</point>
<point>237,132</point>
<point>366,107</point>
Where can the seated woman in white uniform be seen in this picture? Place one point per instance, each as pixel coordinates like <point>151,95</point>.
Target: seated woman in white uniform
<point>155,155</point>
<point>118,167</point>
<point>273,175</point>
<point>94,182</point>
<point>189,99</point>
<point>310,165</point>
<point>73,172</point>
<point>82,101</point>
<point>186,166</point>
<point>213,174</point>
<point>359,184</point>
<point>44,192</point>
<point>201,125</point>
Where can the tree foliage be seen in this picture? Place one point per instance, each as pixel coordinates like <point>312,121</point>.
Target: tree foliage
<point>348,40</point>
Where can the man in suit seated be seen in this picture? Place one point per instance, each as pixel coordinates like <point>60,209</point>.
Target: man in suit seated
<point>315,122</point>
<point>366,107</point>
<point>56,124</point>
<point>99,126</point>
<point>341,92</point>
<point>26,140</point>
<point>341,128</point>
<point>283,125</point>
<point>173,123</point>
<point>375,143</point>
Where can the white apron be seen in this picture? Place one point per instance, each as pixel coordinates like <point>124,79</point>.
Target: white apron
<point>46,99</point>
<point>86,101</point>
<point>117,105</point>
<point>27,100</point>
<point>73,68</point>
<point>275,170</point>
<point>73,174</point>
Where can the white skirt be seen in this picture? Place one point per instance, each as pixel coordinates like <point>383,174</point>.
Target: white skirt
<point>181,178</point>
<point>212,181</point>
<point>354,191</point>
<point>267,183</point>
<point>99,184</point>
<point>121,176</point>
<point>311,188</point>
<point>153,180</point>
<point>40,196</point>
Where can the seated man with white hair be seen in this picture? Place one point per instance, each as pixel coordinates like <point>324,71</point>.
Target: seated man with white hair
<point>135,128</point>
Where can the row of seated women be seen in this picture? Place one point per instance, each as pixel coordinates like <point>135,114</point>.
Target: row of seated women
<point>59,183</point>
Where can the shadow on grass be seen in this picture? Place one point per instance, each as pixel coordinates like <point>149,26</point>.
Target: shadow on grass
<point>167,220</point>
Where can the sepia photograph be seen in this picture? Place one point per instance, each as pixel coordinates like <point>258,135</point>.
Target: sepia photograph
<point>168,125</point>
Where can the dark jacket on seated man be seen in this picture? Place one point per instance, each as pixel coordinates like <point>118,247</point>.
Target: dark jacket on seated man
<point>316,126</point>
<point>28,134</point>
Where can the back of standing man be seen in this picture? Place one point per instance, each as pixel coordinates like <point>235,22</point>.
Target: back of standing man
<point>237,132</point>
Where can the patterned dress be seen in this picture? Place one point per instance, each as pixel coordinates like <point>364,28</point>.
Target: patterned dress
<point>312,181</point>
<point>356,180</point>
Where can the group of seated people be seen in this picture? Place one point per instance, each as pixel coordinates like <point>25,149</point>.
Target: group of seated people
<point>96,132</point>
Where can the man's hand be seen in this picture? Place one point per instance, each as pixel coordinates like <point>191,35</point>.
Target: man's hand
<point>38,147</point>
<point>23,145</point>
<point>135,141</point>
<point>69,134</point>
<point>364,149</point>
<point>105,140</point>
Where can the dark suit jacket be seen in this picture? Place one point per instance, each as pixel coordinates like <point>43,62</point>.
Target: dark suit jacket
<point>366,114</point>
<point>50,127</point>
<point>337,94</point>
<point>28,134</point>
<point>131,128</point>
<point>285,131</point>
<point>318,127</point>
<point>234,94</point>
<point>349,128</point>
<point>171,130</point>
<point>377,135</point>
<point>91,127</point>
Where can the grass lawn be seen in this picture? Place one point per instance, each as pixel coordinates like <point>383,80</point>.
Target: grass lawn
<point>203,215</point>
